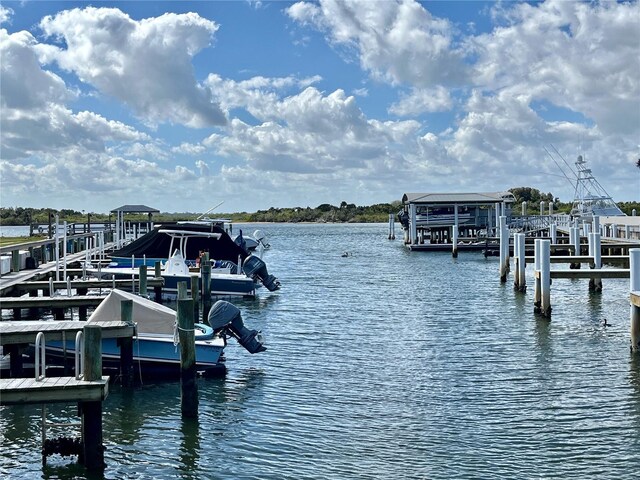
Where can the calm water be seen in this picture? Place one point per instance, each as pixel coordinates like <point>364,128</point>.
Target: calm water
<point>384,364</point>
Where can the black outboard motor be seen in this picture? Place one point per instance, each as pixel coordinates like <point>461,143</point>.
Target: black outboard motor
<point>254,267</point>
<point>225,315</point>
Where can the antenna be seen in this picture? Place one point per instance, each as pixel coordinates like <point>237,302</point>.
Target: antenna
<point>211,209</point>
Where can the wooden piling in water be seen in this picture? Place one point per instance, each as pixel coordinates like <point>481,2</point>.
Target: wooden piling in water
<point>205,277</point>
<point>126,345</point>
<point>188,384</point>
<point>93,449</point>
<point>158,289</point>
<point>143,280</point>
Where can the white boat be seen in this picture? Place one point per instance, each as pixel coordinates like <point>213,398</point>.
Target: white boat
<point>226,280</point>
<point>155,348</point>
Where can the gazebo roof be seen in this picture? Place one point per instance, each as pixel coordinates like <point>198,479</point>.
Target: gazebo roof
<point>135,209</point>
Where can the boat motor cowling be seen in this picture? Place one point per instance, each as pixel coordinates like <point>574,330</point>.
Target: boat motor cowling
<point>226,316</point>
<point>254,267</point>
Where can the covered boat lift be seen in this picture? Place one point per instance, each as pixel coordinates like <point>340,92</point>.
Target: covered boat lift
<point>436,214</point>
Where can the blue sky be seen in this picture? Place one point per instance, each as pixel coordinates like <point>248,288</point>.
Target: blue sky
<point>182,105</point>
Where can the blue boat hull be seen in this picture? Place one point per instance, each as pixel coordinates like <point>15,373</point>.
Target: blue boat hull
<point>152,356</point>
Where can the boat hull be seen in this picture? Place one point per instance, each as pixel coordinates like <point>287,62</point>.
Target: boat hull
<point>153,356</point>
<point>222,284</point>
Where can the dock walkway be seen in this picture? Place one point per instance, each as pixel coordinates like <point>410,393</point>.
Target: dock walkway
<point>25,331</point>
<point>18,391</point>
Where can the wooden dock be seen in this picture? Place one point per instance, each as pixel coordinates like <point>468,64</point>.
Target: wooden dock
<point>87,284</point>
<point>588,273</point>
<point>51,302</point>
<point>18,391</point>
<point>622,260</point>
<point>25,331</point>
<point>635,299</point>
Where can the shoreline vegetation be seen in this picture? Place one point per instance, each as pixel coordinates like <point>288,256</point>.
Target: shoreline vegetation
<point>325,213</point>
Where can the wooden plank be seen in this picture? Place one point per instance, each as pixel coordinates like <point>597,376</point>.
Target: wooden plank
<point>589,273</point>
<point>60,389</point>
<point>611,259</point>
<point>20,332</point>
<point>635,298</point>
<point>95,283</point>
<point>51,302</point>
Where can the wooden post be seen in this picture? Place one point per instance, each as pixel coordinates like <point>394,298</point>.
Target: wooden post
<point>634,286</point>
<point>82,311</point>
<point>182,290</point>
<point>158,289</point>
<point>93,449</point>
<point>126,345</point>
<point>205,277</point>
<point>15,359</point>
<point>188,385</point>
<point>545,277</point>
<point>392,228</point>
<point>195,297</point>
<point>143,281</point>
<point>520,282</point>
<point>536,285</point>
<point>15,261</point>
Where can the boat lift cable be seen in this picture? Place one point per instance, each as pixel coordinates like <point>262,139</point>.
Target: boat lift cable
<point>572,181</point>
<point>565,162</point>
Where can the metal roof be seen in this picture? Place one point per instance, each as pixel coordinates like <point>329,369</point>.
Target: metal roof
<point>453,198</point>
<point>135,209</point>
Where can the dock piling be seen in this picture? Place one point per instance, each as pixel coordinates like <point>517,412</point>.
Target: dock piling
<point>188,384</point>
<point>545,277</point>
<point>205,276</point>
<point>634,286</point>
<point>454,243</point>
<point>126,345</point>
<point>595,283</point>
<point>536,285</point>
<point>93,449</point>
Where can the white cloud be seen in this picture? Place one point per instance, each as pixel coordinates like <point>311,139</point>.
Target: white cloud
<point>579,56</point>
<point>5,14</point>
<point>145,64</point>
<point>422,101</point>
<point>189,149</point>
<point>310,132</point>
<point>24,84</point>
<point>397,41</point>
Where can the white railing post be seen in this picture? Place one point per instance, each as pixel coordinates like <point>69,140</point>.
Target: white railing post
<point>536,284</point>
<point>40,361</point>
<point>545,277</point>
<point>634,286</point>
<point>79,355</point>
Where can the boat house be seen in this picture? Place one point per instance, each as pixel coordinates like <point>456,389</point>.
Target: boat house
<point>433,215</point>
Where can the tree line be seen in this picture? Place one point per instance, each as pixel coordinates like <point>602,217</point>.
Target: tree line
<point>342,213</point>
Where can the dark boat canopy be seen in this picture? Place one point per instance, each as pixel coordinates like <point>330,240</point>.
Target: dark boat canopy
<point>156,244</point>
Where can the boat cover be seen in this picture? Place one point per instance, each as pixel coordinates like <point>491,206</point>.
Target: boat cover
<point>156,244</point>
<point>150,317</point>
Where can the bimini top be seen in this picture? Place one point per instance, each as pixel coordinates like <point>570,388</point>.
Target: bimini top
<point>458,198</point>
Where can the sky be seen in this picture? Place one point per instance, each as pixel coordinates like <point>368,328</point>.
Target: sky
<point>257,104</point>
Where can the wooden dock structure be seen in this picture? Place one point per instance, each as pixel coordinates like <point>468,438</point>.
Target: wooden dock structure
<point>87,388</point>
<point>15,336</point>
